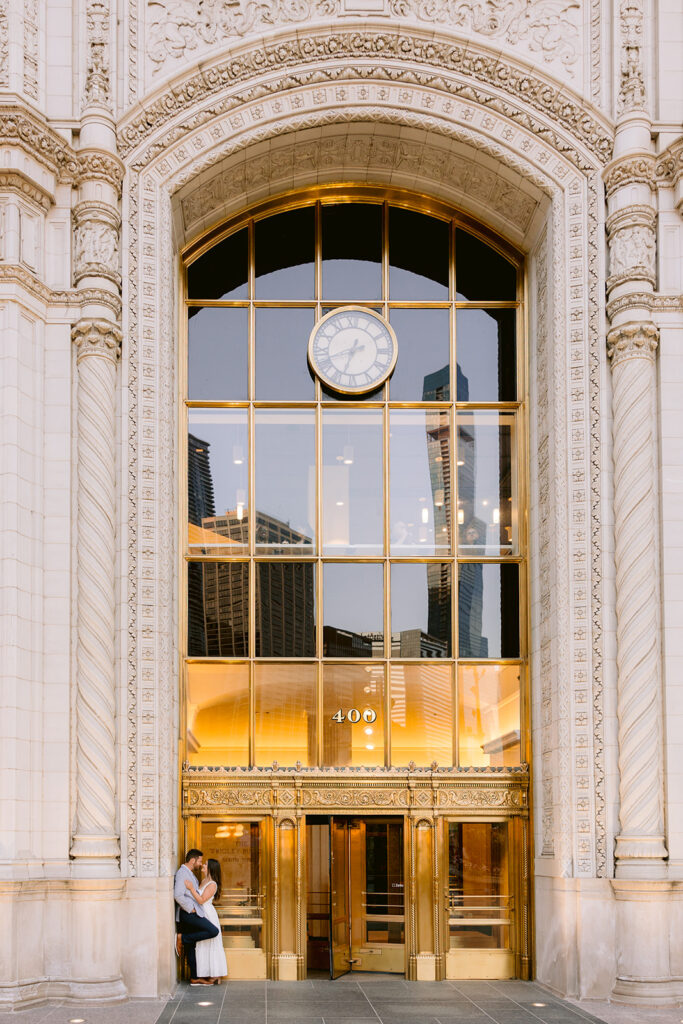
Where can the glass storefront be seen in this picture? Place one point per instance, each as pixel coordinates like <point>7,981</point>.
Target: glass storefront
<point>354,573</point>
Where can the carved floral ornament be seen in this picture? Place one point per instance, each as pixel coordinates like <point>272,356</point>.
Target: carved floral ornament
<point>216,798</point>
<point>632,341</point>
<point>448,67</point>
<point>97,338</point>
<point>549,28</point>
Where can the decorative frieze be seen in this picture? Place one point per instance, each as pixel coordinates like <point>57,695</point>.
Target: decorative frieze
<point>317,792</point>
<point>22,185</point>
<point>399,56</point>
<point>548,29</point>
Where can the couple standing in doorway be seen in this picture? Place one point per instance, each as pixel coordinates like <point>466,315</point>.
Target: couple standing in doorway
<point>197,926</point>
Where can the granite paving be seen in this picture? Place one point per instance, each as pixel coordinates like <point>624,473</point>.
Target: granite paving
<point>354,999</point>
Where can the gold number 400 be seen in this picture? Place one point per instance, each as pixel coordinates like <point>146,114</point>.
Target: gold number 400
<point>353,715</point>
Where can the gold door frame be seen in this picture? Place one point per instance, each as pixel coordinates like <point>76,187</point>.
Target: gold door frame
<point>426,800</point>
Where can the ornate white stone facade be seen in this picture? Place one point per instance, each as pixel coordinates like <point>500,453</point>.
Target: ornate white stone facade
<point>548,121</point>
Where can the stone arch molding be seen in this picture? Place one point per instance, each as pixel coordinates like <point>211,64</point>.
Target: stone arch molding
<point>190,163</point>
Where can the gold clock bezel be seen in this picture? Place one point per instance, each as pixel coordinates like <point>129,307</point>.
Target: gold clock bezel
<point>345,389</point>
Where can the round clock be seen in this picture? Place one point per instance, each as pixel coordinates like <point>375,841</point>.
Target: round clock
<point>352,350</point>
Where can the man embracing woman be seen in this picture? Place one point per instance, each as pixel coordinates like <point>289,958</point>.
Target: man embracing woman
<point>197,926</point>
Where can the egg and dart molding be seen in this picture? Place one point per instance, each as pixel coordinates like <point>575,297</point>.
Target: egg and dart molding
<point>353,350</point>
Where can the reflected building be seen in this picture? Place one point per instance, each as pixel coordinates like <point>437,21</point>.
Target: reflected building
<point>284,600</point>
<point>200,505</point>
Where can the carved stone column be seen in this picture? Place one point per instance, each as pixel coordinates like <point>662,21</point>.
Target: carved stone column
<point>632,347</point>
<point>95,841</point>
<point>640,848</point>
<point>97,337</point>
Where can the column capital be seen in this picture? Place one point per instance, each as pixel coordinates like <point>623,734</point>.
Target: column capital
<point>632,341</point>
<point>97,338</point>
<point>630,169</point>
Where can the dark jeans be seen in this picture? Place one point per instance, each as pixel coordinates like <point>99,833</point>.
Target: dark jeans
<point>193,929</point>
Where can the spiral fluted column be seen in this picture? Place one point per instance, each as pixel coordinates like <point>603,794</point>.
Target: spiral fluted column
<point>640,846</point>
<point>95,840</point>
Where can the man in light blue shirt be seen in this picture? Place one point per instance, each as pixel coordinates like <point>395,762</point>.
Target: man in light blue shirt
<point>191,925</point>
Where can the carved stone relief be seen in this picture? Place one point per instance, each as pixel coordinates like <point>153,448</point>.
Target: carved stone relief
<point>547,29</point>
<point>448,67</point>
<point>631,80</point>
<point>96,247</point>
<point>4,45</point>
<point>97,76</point>
<point>31,30</point>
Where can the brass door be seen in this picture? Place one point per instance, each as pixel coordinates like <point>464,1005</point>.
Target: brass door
<point>340,919</point>
<point>378,923</point>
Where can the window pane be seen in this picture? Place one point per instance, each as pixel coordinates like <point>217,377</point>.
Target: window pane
<point>488,610</point>
<point>353,509</point>
<point>218,609</point>
<point>479,900</point>
<point>418,256</point>
<point>285,255</point>
<point>285,480</point>
<point>421,610</point>
<point>282,371</point>
<point>352,251</point>
<point>482,274</point>
<point>359,740</point>
<point>217,479</point>
<point>285,610</point>
<point>285,712</point>
<point>421,715</point>
<point>420,482</point>
<point>422,371</point>
<point>487,491</point>
<point>489,715</point>
<point>353,610</point>
<point>222,272</point>
<point>218,345</point>
<point>485,351</point>
<point>218,715</point>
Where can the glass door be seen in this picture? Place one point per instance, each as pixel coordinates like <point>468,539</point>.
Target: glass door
<point>340,922</point>
<point>378,924</point>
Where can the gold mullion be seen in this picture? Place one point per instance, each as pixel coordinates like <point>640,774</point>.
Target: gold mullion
<point>455,690</point>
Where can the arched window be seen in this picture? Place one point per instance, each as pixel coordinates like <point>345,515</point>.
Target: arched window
<point>355,586</point>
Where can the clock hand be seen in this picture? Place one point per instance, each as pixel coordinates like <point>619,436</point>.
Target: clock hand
<point>345,351</point>
<point>352,352</point>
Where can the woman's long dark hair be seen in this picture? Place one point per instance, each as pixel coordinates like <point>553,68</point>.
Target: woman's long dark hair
<point>214,871</point>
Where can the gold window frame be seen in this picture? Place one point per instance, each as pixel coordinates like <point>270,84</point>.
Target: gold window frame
<point>320,196</point>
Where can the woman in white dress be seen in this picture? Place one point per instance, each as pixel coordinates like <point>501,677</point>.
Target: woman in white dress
<point>210,954</point>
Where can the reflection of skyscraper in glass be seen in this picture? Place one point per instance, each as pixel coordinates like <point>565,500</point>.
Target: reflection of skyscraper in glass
<point>200,499</point>
<point>285,594</point>
<point>436,387</point>
<point>200,504</point>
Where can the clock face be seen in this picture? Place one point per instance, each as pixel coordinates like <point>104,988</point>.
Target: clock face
<point>352,350</point>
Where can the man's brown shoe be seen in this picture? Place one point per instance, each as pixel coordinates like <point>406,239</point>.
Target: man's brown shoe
<point>178,944</point>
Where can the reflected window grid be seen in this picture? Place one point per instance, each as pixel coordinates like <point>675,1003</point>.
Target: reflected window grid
<point>384,399</point>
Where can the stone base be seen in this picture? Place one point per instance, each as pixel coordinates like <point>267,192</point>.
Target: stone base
<point>610,939</point>
<point>92,941</point>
